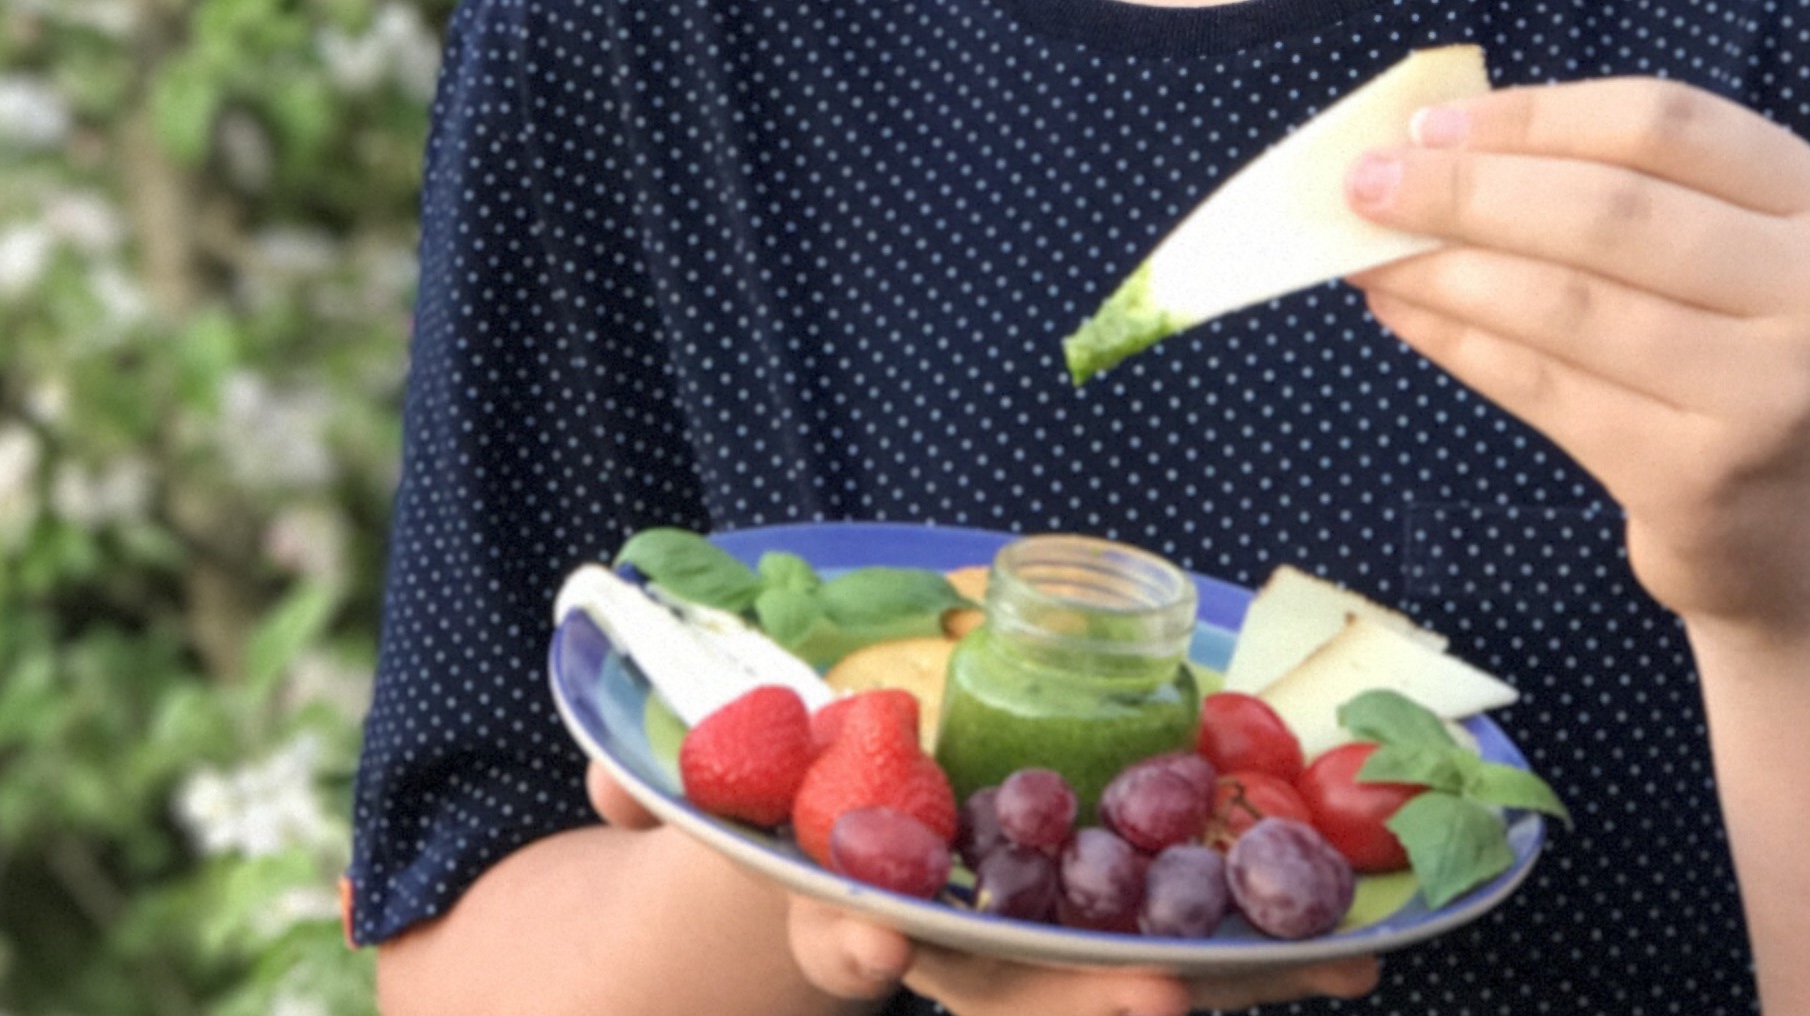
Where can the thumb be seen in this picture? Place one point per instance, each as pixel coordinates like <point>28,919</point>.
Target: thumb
<point>615,804</point>
<point>843,955</point>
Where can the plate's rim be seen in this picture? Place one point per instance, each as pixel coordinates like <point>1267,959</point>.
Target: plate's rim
<point>1003,937</point>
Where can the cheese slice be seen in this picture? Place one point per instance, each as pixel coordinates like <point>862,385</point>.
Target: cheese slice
<point>1367,655</point>
<point>1293,614</point>
<point>1282,221</point>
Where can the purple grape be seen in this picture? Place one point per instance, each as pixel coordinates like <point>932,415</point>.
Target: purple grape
<point>977,830</point>
<point>1036,808</point>
<point>1287,880</point>
<point>1154,807</point>
<point>1190,766</point>
<point>1015,881</point>
<point>1102,880</point>
<point>889,849</point>
<point>1185,892</point>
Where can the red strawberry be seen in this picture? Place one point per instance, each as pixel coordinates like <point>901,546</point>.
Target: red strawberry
<point>746,760</point>
<point>826,722</point>
<point>875,761</point>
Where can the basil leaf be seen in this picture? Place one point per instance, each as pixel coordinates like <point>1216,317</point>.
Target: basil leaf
<point>780,569</point>
<point>788,616</point>
<point>879,595</point>
<point>1425,765</point>
<point>691,567</point>
<point>1393,718</point>
<point>1509,787</point>
<point>1453,844</point>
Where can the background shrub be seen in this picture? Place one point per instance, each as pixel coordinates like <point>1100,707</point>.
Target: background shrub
<point>207,230</point>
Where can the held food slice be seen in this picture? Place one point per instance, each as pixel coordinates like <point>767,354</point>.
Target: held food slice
<point>1281,222</point>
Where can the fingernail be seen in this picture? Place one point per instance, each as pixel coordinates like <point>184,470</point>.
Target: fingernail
<point>1373,180</point>
<point>1440,127</point>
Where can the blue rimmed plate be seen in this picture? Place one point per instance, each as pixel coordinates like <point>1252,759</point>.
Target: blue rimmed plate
<point>609,709</point>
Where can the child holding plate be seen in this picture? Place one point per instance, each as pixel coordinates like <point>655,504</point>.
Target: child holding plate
<point>719,265</point>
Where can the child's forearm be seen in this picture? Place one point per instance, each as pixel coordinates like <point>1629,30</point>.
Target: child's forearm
<point>604,921</point>
<point>1757,694</point>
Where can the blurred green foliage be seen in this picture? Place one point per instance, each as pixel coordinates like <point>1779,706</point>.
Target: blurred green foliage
<point>207,230</point>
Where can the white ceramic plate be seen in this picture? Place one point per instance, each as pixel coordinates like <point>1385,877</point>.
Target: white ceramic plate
<point>608,709</point>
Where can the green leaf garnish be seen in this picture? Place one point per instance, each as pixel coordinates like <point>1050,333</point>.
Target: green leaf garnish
<point>1509,787</point>
<point>819,620</point>
<point>1454,844</point>
<point>1389,717</point>
<point>1454,832</point>
<point>692,568</point>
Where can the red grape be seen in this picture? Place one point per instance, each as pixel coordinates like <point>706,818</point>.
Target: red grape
<point>1036,808</point>
<point>1287,880</point>
<point>889,849</point>
<point>1153,807</point>
<point>1102,882</point>
<point>1185,892</point>
<point>1015,881</point>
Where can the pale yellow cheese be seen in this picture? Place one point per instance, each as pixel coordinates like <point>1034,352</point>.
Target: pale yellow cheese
<point>1367,655</point>
<point>1293,614</point>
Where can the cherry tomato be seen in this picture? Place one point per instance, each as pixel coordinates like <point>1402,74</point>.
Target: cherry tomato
<point>1241,798</point>
<point>1351,814</point>
<point>1241,733</point>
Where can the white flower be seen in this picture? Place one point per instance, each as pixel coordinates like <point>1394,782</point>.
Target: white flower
<point>121,298</point>
<point>20,455</point>
<point>93,498</point>
<point>324,679</point>
<point>397,48</point>
<point>309,540</point>
<point>291,1004</point>
<point>32,114</point>
<point>275,439</point>
<point>259,809</point>
<point>85,221</point>
<point>24,255</point>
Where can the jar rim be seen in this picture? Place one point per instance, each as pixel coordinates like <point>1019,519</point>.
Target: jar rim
<point>1037,576</point>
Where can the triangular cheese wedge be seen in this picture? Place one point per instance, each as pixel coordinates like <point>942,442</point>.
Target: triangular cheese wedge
<point>1366,655</point>
<point>1281,222</point>
<point>1292,614</point>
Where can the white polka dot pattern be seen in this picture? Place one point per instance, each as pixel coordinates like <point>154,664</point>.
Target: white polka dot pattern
<point>730,263</point>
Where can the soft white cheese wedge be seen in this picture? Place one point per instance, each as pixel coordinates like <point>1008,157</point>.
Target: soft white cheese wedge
<point>1281,222</point>
<point>696,664</point>
<point>1365,655</point>
<point>1292,614</point>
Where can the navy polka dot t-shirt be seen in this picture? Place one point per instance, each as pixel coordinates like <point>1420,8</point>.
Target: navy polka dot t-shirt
<point>722,263</point>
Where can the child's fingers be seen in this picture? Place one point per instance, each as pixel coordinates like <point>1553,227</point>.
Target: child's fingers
<point>1659,128</point>
<point>1683,244</point>
<point>842,955</point>
<point>614,804</point>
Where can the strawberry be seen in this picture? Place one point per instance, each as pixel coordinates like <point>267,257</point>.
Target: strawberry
<point>826,722</point>
<point>747,759</point>
<point>875,761</point>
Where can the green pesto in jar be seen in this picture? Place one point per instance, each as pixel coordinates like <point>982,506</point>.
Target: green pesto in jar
<point>1080,667</point>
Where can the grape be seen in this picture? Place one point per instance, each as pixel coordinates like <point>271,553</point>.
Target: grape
<point>1015,881</point>
<point>1153,807</point>
<point>1185,892</point>
<point>1287,880</point>
<point>889,849</point>
<point>1190,766</point>
<point>1102,880</point>
<point>1036,808</point>
<point>977,829</point>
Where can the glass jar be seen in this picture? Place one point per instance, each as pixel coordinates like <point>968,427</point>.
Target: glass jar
<point>1080,666</point>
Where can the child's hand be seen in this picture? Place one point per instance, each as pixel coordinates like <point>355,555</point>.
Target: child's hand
<point>1630,273</point>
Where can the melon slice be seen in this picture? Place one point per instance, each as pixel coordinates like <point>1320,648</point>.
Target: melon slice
<point>1281,222</point>
<point>1292,614</point>
<point>1366,655</point>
